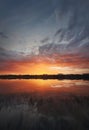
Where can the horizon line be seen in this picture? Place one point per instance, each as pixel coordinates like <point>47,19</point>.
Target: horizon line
<point>84,76</point>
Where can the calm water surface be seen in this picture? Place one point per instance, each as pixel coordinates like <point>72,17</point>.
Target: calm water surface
<point>51,86</point>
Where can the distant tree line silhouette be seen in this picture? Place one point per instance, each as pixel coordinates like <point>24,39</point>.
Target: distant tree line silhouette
<point>48,76</point>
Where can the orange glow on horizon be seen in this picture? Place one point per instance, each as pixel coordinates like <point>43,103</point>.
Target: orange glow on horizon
<point>43,68</point>
<point>40,65</point>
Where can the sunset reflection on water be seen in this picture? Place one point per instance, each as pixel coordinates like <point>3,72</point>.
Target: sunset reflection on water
<point>26,86</point>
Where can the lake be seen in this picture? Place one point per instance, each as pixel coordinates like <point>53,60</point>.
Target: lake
<point>44,104</point>
<point>44,86</point>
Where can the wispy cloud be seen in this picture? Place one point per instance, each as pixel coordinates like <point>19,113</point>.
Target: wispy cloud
<point>76,28</point>
<point>45,40</point>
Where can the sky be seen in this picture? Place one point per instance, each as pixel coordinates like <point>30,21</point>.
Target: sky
<point>52,34</point>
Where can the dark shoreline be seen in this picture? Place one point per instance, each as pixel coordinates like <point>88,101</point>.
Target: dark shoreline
<point>47,76</point>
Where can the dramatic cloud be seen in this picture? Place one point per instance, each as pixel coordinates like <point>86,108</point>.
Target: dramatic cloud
<point>76,31</point>
<point>12,62</point>
<point>51,31</point>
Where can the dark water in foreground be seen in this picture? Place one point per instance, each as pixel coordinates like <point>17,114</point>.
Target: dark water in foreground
<point>44,105</point>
